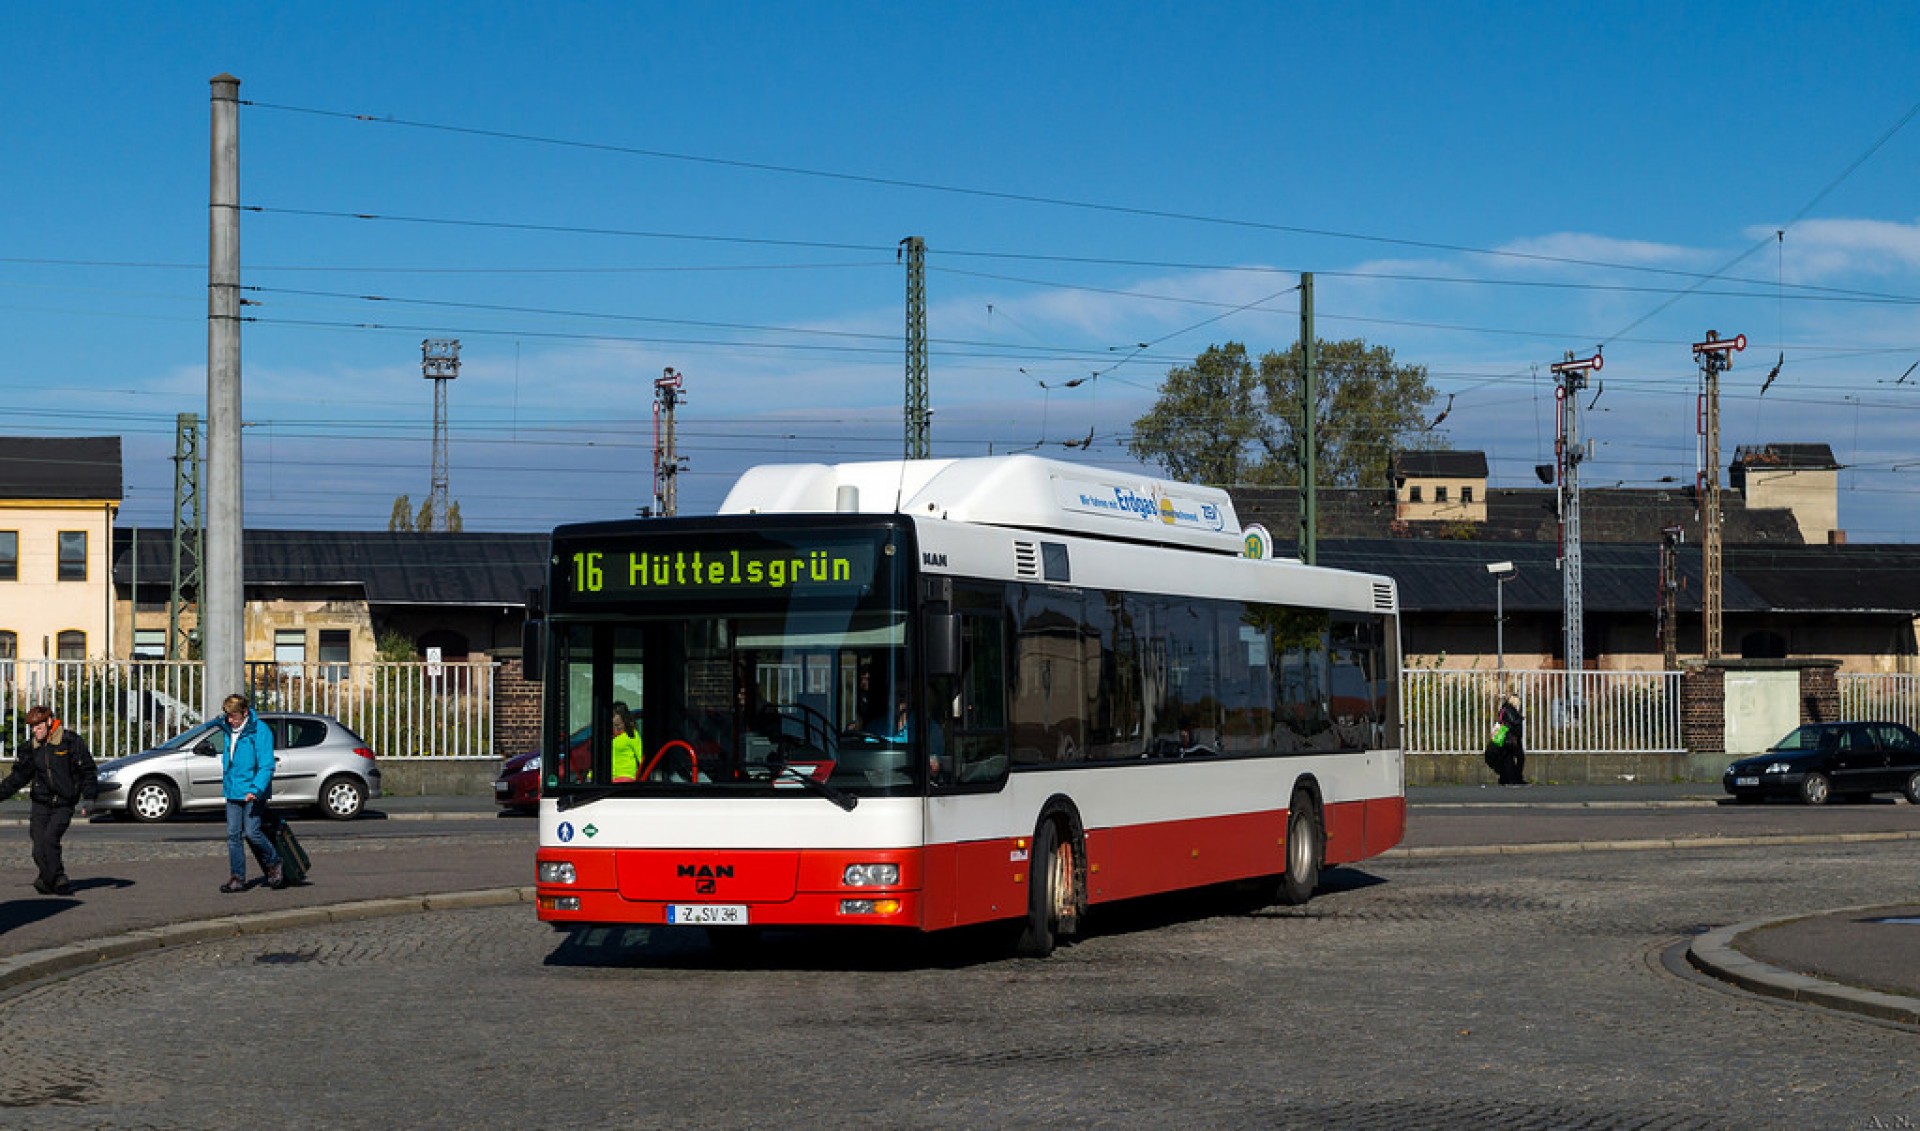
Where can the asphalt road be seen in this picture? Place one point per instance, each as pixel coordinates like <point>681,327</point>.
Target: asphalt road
<point>1440,986</point>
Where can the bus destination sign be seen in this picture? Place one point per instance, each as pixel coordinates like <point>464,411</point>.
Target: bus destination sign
<point>715,567</point>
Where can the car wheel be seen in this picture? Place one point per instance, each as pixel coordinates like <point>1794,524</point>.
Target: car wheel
<point>343,797</point>
<point>152,799</point>
<point>1305,847</point>
<point>1912,788</point>
<point>1816,789</point>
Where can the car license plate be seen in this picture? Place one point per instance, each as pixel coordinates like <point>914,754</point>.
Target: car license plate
<point>708,914</point>
<point>501,787</point>
<point>1746,781</point>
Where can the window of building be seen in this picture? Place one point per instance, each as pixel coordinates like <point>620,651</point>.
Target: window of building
<point>1439,494</point>
<point>1466,494</point>
<point>290,647</point>
<point>73,555</point>
<point>71,645</point>
<point>9,555</point>
<point>1413,494</point>
<point>149,643</point>
<point>336,651</point>
<point>9,645</point>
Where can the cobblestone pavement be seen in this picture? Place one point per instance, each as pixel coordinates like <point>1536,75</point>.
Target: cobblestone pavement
<point>1525,992</point>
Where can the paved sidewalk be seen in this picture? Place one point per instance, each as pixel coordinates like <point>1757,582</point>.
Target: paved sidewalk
<point>1865,960</point>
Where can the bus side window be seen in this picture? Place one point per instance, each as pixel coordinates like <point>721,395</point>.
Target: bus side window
<point>980,725</point>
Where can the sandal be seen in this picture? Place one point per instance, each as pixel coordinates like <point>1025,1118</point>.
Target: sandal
<point>233,884</point>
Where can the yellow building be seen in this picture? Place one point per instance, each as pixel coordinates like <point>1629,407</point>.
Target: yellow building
<point>58,497</point>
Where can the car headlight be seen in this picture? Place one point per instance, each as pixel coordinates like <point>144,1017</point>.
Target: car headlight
<point>1779,768</point>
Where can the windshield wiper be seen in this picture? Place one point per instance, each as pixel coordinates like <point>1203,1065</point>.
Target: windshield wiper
<point>568,801</point>
<point>832,793</point>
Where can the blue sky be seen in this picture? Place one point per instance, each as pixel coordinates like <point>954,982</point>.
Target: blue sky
<point>585,194</point>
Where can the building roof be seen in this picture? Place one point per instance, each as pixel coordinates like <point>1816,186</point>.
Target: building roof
<point>389,568</point>
<point>60,467</point>
<point>1519,514</point>
<point>1439,464</point>
<point>1784,457</point>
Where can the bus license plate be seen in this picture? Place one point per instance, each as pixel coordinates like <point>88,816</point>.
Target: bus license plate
<point>708,914</point>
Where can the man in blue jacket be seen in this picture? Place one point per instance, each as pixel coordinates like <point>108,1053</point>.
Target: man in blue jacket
<point>246,780</point>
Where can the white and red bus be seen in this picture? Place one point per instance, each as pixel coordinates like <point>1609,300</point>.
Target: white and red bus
<point>935,693</point>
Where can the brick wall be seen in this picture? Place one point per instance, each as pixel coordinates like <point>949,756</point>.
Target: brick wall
<point>1820,693</point>
<point>1703,709</point>
<point>516,707</point>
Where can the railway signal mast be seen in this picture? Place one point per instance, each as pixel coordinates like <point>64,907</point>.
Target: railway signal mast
<point>1570,377</point>
<point>1715,356</point>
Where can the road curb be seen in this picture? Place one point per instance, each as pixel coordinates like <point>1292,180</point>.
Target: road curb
<point>22,969</point>
<point>1713,954</point>
<point>1434,851</point>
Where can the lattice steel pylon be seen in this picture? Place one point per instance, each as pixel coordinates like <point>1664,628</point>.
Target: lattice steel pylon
<point>919,445</point>
<point>1715,356</point>
<point>667,463</point>
<point>1572,377</point>
<point>189,531</point>
<point>439,363</point>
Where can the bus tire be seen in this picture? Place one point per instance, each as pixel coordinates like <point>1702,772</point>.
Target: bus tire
<point>1052,893</point>
<point>1306,847</point>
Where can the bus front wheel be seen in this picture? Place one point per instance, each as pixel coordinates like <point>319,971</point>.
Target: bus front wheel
<point>1053,897</point>
<point>1305,849</point>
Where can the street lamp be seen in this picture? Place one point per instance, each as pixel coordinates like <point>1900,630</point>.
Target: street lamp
<point>1502,573</point>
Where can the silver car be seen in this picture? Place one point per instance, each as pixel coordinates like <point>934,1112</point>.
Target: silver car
<point>317,761</point>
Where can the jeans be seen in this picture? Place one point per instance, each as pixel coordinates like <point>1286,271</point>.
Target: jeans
<point>243,822</point>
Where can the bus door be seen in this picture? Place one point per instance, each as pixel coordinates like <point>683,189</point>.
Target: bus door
<point>965,825</point>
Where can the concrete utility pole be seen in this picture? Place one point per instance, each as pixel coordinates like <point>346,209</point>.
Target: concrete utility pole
<point>913,250</point>
<point>666,465</point>
<point>1309,426</point>
<point>439,363</point>
<point>1571,379</point>
<point>1715,356</point>
<point>223,598</point>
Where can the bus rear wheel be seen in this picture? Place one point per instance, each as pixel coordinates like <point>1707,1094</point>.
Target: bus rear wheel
<point>1306,847</point>
<point>1053,895</point>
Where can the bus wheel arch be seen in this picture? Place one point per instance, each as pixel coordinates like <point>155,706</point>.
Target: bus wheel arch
<point>1306,843</point>
<point>1056,880</point>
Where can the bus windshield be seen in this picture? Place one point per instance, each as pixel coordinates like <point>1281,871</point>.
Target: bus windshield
<point>743,693</point>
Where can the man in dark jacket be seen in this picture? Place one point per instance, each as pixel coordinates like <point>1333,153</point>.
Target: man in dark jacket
<point>56,763</point>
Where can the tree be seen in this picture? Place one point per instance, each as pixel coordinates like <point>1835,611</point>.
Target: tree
<point>1223,422</point>
<point>1207,426</point>
<point>453,518</point>
<point>401,520</point>
<point>423,521</point>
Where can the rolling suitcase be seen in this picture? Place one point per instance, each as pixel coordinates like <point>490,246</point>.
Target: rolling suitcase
<point>294,862</point>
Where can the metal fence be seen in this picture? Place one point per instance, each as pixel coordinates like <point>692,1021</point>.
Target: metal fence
<point>1888,698</point>
<point>404,710</point>
<point>1452,711</point>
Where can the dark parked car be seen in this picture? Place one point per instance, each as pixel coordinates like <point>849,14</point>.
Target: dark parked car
<point>317,761</point>
<point>1820,761</point>
<point>517,789</point>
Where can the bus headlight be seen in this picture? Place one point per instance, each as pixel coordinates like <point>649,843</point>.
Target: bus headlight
<point>871,875</point>
<point>556,871</point>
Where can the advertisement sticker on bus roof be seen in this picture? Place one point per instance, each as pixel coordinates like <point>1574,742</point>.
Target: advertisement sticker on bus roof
<point>1153,505</point>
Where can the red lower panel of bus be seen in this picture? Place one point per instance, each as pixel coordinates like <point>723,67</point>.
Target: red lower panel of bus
<point>946,885</point>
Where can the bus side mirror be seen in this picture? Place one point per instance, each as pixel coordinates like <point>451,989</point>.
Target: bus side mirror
<point>530,633</point>
<point>531,630</point>
<point>942,632</point>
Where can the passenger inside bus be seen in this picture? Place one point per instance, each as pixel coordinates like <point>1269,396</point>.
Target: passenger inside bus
<point>627,751</point>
